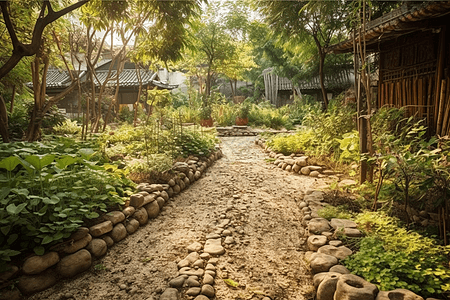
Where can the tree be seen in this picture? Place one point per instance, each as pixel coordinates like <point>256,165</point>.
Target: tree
<point>303,20</point>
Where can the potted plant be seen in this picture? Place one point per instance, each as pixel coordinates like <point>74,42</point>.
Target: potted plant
<point>242,115</point>
<point>205,116</point>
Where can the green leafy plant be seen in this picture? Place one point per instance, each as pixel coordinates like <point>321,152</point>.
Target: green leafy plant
<point>67,127</point>
<point>329,212</point>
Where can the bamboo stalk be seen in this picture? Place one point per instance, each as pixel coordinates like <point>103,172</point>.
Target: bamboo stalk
<point>429,104</point>
<point>441,106</point>
<point>414,94</point>
<point>399,94</point>
<point>403,100</point>
<point>391,93</point>
<point>446,114</point>
<point>420,94</point>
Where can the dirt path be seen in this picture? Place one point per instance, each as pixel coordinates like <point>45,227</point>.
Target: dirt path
<point>266,257</point>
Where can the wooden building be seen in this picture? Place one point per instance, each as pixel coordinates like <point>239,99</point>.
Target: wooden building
<point>413,44</point>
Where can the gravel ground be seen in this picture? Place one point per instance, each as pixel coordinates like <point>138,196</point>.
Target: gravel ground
<point>267,255</point>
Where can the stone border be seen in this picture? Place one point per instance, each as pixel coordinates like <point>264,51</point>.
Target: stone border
<point>76,254</point>
<point>331,280</point>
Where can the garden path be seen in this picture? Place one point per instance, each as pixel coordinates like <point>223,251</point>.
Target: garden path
<point>266,251</point>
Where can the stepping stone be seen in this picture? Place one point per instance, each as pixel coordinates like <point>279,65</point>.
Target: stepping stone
<point>214,247</point>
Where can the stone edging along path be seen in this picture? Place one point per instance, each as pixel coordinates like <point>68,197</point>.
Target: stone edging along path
<point>76,254</point>
<point>331,280</point>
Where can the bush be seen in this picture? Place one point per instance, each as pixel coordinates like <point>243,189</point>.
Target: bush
<point>67,127</point>
<point>393,257</point>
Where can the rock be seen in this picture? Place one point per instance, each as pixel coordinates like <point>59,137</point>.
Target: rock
<point>187,182</point>
<point>226,232</point>
<point>128,211</point>
<point>208,290</point>
<point>169,294</point>
<point>229,240</point>
<point>401,294</point>
<point>342,223</point>
<point>194,247</point>
<point>314,174</point>
<point>13,294</point>
<point>213,261</point>
<point>302,205</point>
<point>210,267</point>
<point>346,183</point>
<point>152,209</point>
<point>182,185</point>
<point>132,225</point>
<point>327,287</point>
<point>288,168</point>
<point>328,172</point>
<point>164,195</point>
<point>75,263</point>
<point>118,233</point>
<point>188,260</point>
<point>198,263</point>
<point>214,247</point>
<point>37,264</point>
<point>181,167</point>
<point>161,202</point>
<point>11,270</point>
<point>301,162</point>
<point>114,216</point>
<point>191,272</point>
<point>191,282</point>
<point>79,234</point>
<point>321,262</point>
<point>316,241</point>
<point>352,287</point>
<point>77,245</point>
<point>210,272</point>
<point>136,200</point>
<point>36,283</point>
<point>212,236</point>
<point>339,269</point>
<point>352,232</point>
<point>305,170</point>
<point>318,225</point>
<point>205,256</point>
<point>141,216</point>
<point>193,291</point>
<point>170,192</point>
<point>108,240</point>
<point>149,199</point>
<point>284,165</point>
<point>171,182</point>
<point>339,252</point>
<point>315,168</point>
<point>176,189</point>
<point>197,175</point>
<point>335,243</point>
<point>177,282</point>
<point>97,247</point>
<point>289,161</point>
<point>208,279</point>
<point>101,229</point>
<point>296,168</point>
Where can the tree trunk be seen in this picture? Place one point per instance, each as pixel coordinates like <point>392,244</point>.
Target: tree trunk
<point>233,93</point>
<point>3,121</point>
<point>322,78</point>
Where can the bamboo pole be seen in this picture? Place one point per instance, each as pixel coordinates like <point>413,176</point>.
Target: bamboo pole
<point>391,93</point>
<point>429,104</point>
<point>415,96</point>
<point>441,106</point>
<point>403,100</point>
<point>439,73</point>
<point>420,94</point>
<point>398,96</point>
<point>446,111</point>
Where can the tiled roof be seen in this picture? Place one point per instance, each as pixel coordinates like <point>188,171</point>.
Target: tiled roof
<point>58,78</point>
<point>127,77</point>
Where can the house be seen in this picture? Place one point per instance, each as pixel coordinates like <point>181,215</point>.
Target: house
<point>59,80</point>
<point>279,90</point>
<point>412,45</point>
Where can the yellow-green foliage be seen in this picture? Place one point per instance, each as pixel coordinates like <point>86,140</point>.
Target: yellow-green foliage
<point>224,114</point>
<point>67,127</point>
<point>302,141</point>
<point>267,115</point>
<point>329,212</point>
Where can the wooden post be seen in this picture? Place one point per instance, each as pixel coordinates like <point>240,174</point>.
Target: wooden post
<point>441,106</point>
<point>420,94</point>
<point>439,74</point>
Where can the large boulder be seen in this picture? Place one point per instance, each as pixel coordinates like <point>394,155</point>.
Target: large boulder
<point>37,264</point>
<point>400,294</point>
<point>327,287</point>
<point>75,263</point>
<point>322,262</point>
<point>316,241</point>
<point>339,252</point>
<point>318,225</point>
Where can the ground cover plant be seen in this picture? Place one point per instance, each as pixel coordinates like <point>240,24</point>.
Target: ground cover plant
<point>50,188</point>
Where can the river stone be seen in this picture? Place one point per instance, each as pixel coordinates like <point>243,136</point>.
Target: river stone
<point>149,199</point>
<point>152,209</point>
<point>161,202</point>
<point>316,241</point>
<point>101,229</point>
<point>400,294</point>
<point>315,168</point>
<point>77,245</point>
<point>327,287</point>
<point>342,223</point>
<point>339,252</point>
<point>229,240</point>
<point>314,174</point>
<point>164,195</point>
<point>178,281</point>
<point>318,225</point>
<point>128,211</point>
<point>193,291</point>
<point>75,263</point>
<point>169,294</point>
<point>136,200</point>
<point>198,263</point>
<point>197,175</point>
<point>187,182</point>
<point>118,233</point>
<point>352,232</point>
<point>13,294</point>
<point>176,189</point>
<point>79,234</point>
<point>305,170</point>
<point>191,272</point>
<point>30,284</point>
<point>171,182</point>
<point>208,279</point>
<point>108,240</point>
<point>11,270</point>
<point>296,168</point>
<point>319,277</point>
<point>339,269</point>
<point>182,185</point>
<point>205,256</point>
<point>132,225</point>
<point>301,162</point>
<point>321,262</point>
<point>214,247</point>
<point>97,247</point>
<point>289,161</point>
<point>288,168</point>
<point>208,290</point>
<point>194,247</point>
<point>352,287</point>
<point>192,282</point>
<point>181,167</point>
<point>170,192</point>
<point>114,216</point>
<point>188,260</point>
<point>213,261</point>
<point>335,243</point>
<point>37,264</point>
<point>141,216</point>
<point>201,297</point>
